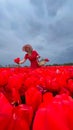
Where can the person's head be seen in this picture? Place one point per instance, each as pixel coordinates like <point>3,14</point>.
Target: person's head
<point>27,48</point>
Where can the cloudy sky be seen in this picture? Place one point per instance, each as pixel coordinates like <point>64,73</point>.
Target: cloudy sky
<point>45,24</point>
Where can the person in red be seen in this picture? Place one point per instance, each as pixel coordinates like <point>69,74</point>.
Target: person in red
<point>32,56</point>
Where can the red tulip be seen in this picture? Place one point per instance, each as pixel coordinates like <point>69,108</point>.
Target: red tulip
<point>46,59</point>
<point>33,98</point>
<point>17,60</point>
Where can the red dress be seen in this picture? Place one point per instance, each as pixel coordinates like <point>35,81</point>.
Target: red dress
<point>33,59</point>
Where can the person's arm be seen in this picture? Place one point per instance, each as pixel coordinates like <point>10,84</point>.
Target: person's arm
<point>43,61</point>
<point>22,61</point>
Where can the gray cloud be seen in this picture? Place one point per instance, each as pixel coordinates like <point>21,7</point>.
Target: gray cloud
<point>45,24</point>
<point>66,56</point>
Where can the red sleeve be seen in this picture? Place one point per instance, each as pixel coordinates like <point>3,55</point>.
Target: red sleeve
<point>26,56</point>
<point>36,53</point>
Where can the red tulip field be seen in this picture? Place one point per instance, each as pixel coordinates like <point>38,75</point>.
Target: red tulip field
<point>36,99</point>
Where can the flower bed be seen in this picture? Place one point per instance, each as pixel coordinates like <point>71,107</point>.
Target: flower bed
<point>39,99</point>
